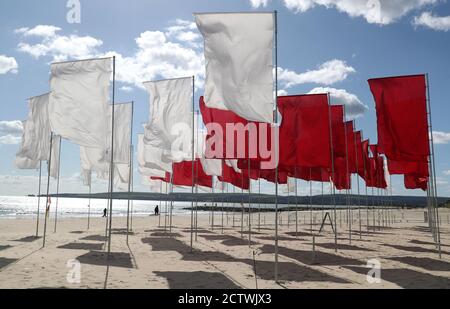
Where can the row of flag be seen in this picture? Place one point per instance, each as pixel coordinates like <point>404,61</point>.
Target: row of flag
<point>282,138</point>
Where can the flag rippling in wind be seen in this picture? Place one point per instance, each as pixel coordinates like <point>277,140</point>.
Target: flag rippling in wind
<point>239,63</point>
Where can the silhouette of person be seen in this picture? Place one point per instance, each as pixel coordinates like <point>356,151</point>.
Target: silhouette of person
<point>105,213</point>
<point>157,210</point>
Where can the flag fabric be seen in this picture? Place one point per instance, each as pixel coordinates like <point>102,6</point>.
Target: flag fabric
<point>170,124</point>
<point>212,167</point>
<point>415,181</point>
<point>230,136</point>
<point>150,163</point>
<point>402,117</point>
<point>122,132</point>
<point>338,130</point>
<point>37,145</point>
<point>229,175</point>
<point>182,174</point>
<point>55,163</point>
<point>239,63</point>
<point>79,101</point>
<point>351,154</point>
<point>22,161</point>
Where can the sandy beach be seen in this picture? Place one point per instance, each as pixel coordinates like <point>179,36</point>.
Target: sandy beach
<point>221,258</point>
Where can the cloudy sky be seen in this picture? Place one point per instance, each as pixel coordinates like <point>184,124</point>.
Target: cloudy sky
<point>324,45</point>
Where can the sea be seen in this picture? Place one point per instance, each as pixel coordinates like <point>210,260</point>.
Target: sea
<point>13,207</point>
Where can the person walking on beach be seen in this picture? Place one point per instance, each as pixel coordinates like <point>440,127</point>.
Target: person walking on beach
<point>157,210</point>
<point>104,213</point>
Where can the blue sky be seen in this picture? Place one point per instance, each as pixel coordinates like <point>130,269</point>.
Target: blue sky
<point>337,47</point>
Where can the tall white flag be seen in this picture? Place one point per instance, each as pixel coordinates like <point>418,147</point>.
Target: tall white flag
<point>239,63</point>
<point>54,164</point>
<point>150,160</point>
<point>79,101</point>
<point>37,144</point>
<point>170,124</point>
<point>22,161</point>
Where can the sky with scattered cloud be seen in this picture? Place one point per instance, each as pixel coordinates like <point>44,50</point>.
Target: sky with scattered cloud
<point>324,46</point>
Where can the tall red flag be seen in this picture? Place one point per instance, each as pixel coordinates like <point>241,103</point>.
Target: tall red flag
<point>402,117</point>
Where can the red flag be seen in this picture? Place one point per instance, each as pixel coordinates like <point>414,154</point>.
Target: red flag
<point>312,129</point>
<point>182,174</point>
<point>229,175</point>
<point>338,130</point>
<point>351,147</point>
<point>311,174</point>
<point>416,182</point>
<point>402,117</point>
<point>232,140</point>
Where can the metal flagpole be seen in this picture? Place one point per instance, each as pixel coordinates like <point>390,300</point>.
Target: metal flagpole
<point>332,187</point>
<point>47,205</point>
<point>249,197</point>
<point>366,188</point>
<point>39,199</point>
<point>276,143</point>
<point>57,185</point>
<point>296,202</point>
<point>259,204</point>
<point>433,168</point>
<point>130,176</point>
<point>357,182</point>
<point>171,204</point>
<point>193,159</point>
<point>159,214</point>
<point>165,208</point>
<point>111,168</point>
<point>310,202</point>
<point>349,222</point>
<point>89,205</point>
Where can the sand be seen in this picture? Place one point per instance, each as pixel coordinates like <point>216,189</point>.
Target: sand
<point>221,258</point>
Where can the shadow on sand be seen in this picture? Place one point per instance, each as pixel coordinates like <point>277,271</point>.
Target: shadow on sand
<point>116,259</point>
<point>82,246</point>
<point>197,280</point>
<point>407,278</point>
<point>5,262</point>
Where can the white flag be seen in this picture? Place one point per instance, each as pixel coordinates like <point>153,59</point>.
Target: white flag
<point>170,125</point>
<point>54,164</point>
<point>22,161</point>
<point>79,101</point>
<point>150,161</point>
<point>239,63</point>
<point>122,132</point>
<point>212,167</point>
<point>36,145</point>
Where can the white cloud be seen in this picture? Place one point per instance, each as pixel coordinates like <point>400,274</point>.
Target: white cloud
<point>10,132</point>
<point>173,52</point>
<point>353,106</point>
<point>126,89</point>
<point>374,11</point>
<point>59,47</point>
<point>328,73</point>
<point>441,138</point>
<point>258,3</point>
<point>39,31</point>
<point>282,92</point>
<point>8,64</point>
<point>426,19</point>
<point>446,173</point>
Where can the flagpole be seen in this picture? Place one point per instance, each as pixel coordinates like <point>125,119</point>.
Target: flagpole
<point>357,181</point>
<point>111,167</point>
<point>333,189</point>
<point>171,203</point>
<point>276,143</point>
<point>433,169</point>
<point>296,201</point>
<point>39,199</point>
<point>57,185</point>
<point>347,173</point>
<point>47,206</point>
<point>365,185</point>
<point>159,214</point>
<point>249,196</point>
<point>130,171</point>
<point>89,206</point>
<point>193,159</point>
<point>310,202</point>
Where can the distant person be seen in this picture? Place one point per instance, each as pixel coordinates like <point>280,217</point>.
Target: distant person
<point>157,210</point>
<point>105,213</point>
